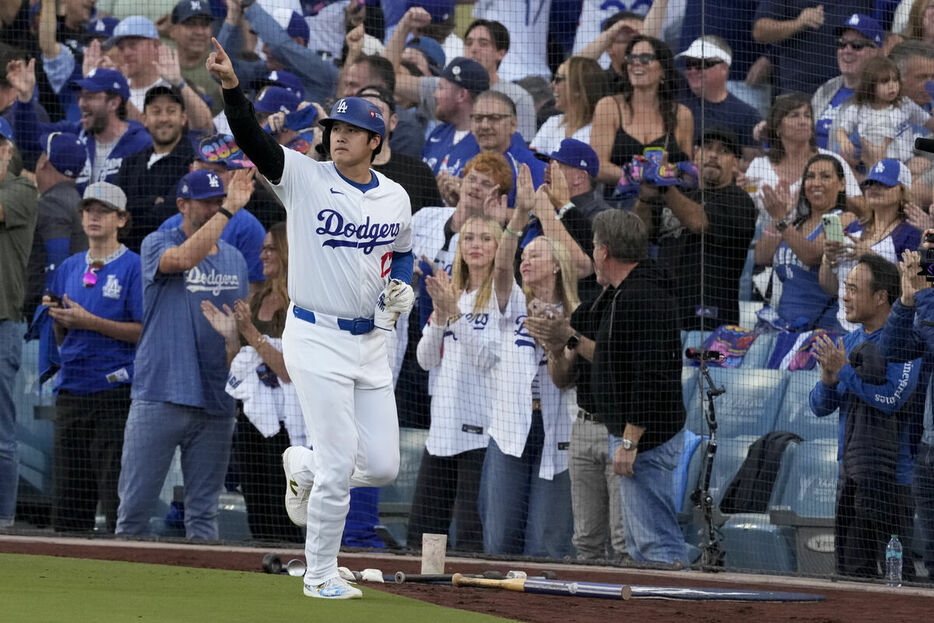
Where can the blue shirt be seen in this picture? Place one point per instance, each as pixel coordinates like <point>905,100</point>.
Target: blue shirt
<point>439,144</point>
<point>181,358</point>
<point>91,361</point>
<point>732,112</point>
<point>243,232</point>
<point>803,304</point>
<point>890,398</point>
<point>516,155</point>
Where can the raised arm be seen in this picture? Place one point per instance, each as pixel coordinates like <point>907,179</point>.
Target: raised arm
<point>504,276</point>
<point>768,30</point>
<point>258,145</point>
<point>193,251</point>
<point>605,125</point>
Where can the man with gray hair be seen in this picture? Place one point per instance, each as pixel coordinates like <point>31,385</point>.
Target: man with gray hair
<point>630,334</point>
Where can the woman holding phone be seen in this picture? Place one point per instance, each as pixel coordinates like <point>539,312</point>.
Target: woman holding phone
<point>885,230</point>
<point>793,243</point>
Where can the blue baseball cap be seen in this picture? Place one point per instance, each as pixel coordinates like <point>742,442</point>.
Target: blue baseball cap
<point>105,80</point>
<point>359,112</point>
<point>468,74</point>
<point>577,154</point>
<point>276,99</point>
<point>135,26</point>
<point>103,27</point>
<point>201,185</point>
<point>281,78</point>
<point>5,130</point>
<point>440,10</point>
<point>65,151</point>
<point>432,51</point>
<point>889,172</point>
<point>186,9</point>
<point>864,25</point>
<point>293,23</point>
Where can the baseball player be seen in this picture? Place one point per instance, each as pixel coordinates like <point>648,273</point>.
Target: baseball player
<point>350,233</point>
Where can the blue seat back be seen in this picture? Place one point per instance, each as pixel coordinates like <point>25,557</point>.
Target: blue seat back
<point>749,406</point>
<point>731,452</point>
<point>795,414</point>
<point>810,489</point>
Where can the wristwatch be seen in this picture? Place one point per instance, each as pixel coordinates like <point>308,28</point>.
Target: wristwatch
<point>628,444</point>
<point>574,341</point>
<point>781,225</point>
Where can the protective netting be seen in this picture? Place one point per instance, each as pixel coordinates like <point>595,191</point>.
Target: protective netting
<point>664,303</point>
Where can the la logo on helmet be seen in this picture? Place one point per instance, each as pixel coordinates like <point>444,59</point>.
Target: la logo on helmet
<point>341,107</point>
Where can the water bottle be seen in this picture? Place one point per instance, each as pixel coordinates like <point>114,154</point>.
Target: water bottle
<point>893,562</point>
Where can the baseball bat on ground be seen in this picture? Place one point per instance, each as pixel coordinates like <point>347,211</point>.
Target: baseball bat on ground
<point>423,578</point>
<point>549,587</point>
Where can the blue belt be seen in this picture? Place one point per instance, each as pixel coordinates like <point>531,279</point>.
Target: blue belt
<point>354,326</point>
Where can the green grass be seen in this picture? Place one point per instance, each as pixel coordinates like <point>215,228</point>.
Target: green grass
<point>37,589</point>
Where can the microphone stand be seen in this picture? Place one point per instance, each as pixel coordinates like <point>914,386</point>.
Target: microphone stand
<point>711,552</point>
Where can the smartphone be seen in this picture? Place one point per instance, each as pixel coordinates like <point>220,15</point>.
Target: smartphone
<point>833,230</point>
<point>53,297</point>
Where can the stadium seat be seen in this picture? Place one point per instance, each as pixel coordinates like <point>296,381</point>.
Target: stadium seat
<point>731,452</point>
<point>35,431</point>
<point>808,504</point>
<point>751,542</point>
<point>749,406</point>
<point>795,414</point>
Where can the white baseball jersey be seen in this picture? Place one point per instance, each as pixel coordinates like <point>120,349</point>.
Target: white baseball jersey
<point>463,355</point>
<point>520,362</point>
<point>341,239</point>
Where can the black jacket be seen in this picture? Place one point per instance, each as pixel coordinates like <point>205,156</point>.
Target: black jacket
<point>150,191</point>
<point>636,372</point>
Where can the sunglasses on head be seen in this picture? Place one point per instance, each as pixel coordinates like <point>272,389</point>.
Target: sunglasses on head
<point>90,275</point>
<point>701,63</point>
<point>641,59</point>
<point>856,45</point>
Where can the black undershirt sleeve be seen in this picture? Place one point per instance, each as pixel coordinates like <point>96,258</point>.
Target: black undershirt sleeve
<point>259,146</point>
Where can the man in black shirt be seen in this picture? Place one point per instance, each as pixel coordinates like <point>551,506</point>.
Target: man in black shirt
<point>150,177</point>
<point>703,234</point>
<point>635,380</point>
<point>414,175</point>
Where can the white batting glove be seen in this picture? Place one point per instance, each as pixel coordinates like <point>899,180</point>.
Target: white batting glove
<point>399,296</point>
<point>383,318</point>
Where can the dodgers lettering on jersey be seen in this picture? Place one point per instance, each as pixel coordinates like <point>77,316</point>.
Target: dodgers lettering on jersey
<point>342,236</point>
<point>365,235</point>
<point>196,280</point>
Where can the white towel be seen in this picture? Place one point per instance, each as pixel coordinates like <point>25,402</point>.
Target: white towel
<point>265,406</point>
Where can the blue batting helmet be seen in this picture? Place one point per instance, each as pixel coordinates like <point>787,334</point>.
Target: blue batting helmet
<point>359,112</point>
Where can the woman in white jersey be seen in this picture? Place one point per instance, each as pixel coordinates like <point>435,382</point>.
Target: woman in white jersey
<point>461,343</point>
<point>525,498</point>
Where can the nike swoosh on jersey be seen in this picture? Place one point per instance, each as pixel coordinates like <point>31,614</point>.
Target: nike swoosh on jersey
<point>434,140</point>
<point>336,192</point>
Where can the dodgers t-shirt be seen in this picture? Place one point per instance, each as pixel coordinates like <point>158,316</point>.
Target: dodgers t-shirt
<point>244,232</point>
<point>91,361</point>
<point>181,358</point>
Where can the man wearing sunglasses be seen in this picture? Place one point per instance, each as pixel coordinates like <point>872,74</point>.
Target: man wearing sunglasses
<point>706,65</point>
<point>858,40</point>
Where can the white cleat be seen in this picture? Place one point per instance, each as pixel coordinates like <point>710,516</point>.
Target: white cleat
<point>296,496</point>
<point>333,588</point>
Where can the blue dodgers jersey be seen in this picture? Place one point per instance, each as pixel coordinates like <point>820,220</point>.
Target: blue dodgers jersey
<point>181,358</point>
<point>244,232</point>
<point>93,362</point>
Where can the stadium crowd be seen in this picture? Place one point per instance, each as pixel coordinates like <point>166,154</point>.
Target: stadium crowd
<point>586,182</point>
